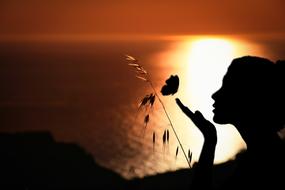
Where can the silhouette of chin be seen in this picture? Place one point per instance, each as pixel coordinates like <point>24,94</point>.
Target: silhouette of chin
<point>220,119</point>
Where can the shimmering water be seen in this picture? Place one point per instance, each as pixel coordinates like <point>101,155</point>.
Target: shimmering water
<point>84,92</point>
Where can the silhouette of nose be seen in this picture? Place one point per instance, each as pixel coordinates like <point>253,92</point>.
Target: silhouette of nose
<point>217,95</point>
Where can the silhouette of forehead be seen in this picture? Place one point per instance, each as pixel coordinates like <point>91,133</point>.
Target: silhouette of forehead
<point>250,71</point>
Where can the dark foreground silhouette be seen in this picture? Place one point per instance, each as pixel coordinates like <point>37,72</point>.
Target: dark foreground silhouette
<point>34,160</point>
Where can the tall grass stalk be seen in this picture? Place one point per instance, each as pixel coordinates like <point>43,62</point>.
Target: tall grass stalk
<point>143,75</point>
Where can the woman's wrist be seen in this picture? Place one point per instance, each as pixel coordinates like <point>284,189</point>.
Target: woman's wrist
<point>210,142</point>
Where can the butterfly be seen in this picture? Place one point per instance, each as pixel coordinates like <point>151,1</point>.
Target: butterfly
<point>171,86</point>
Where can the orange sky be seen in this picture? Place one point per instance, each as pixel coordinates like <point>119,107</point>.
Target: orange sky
<point>58,17</point>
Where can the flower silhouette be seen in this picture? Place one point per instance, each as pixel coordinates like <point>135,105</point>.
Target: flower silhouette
<point>171,86</point>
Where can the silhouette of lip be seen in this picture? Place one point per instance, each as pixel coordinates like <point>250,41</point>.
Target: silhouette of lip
<point>214,108</point>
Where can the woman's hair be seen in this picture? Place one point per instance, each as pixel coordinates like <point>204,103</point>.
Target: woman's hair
<point>260,84</point>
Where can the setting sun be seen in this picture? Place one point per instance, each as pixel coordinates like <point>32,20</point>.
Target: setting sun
<point>208,60</point>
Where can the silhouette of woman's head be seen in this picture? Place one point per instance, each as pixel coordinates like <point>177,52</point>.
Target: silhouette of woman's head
<point>252,93</point>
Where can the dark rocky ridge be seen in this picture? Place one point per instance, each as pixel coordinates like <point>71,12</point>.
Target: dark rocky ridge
<point>34,160</point>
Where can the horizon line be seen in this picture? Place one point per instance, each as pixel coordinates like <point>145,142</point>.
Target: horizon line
<point>98,37</point>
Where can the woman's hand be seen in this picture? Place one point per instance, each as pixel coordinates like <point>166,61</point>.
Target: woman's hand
<point>202,178</point>
<point>206,127</point>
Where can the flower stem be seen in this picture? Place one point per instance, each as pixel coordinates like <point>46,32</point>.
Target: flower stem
<point>167,115</point>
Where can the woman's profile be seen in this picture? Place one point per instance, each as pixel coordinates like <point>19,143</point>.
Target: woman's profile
<point>252,98</point>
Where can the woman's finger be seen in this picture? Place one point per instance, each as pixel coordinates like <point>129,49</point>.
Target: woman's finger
<point>185,109</point>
